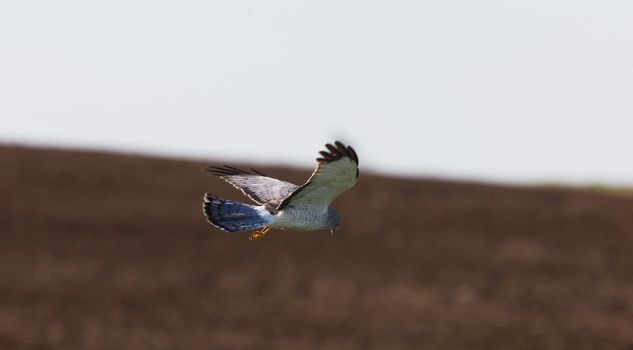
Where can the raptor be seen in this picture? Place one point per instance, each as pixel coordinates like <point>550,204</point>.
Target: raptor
<point>283,205</point>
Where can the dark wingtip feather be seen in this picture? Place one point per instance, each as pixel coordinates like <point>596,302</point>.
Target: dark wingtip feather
<point>333,150</point>
<point>227,170</point>
<point>258,172</point>
<point>214,170</point>
<point>327,156</point>
<point>336,152</point>
<point>237,170</point>
<point>340,145</point>
<point>352,154</point>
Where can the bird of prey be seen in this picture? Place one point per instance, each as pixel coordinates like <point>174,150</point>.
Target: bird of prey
<point>283,205</point>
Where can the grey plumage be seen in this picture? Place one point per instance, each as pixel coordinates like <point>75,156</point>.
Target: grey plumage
<point>260,188</point>
<point>231,216</point>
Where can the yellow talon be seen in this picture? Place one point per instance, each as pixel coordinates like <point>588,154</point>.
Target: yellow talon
<point>259,234</point>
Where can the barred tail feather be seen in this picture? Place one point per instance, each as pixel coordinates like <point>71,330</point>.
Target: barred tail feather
<point>231,216</point>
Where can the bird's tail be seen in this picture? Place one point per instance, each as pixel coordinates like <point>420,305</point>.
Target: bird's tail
<point>231,216</point>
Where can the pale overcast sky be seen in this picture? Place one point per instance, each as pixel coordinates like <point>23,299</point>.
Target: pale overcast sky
<point>494,90</point>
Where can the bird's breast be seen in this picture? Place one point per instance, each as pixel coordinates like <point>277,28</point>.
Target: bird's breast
<point>301,219</point>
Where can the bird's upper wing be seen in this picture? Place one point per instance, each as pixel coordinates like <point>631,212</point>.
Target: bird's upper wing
<point>336,171</point>
<point>260,188</point>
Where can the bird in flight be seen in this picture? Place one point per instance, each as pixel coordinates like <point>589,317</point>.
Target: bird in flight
<point>280,204</point>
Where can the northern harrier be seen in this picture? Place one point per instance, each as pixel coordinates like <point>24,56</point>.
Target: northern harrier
<point>281,204</point>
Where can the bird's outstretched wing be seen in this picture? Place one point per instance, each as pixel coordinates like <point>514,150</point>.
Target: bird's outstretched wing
<point>336,171</point>
<point>260,188</point>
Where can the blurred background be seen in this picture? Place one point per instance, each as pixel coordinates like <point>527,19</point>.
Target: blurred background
<point>501,90</point>
<point>493,210</point>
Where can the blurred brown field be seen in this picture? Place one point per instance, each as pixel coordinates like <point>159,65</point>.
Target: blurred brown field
<point>102,251</point>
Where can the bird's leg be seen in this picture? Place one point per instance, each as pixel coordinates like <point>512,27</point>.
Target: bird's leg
<point>259,234</point>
